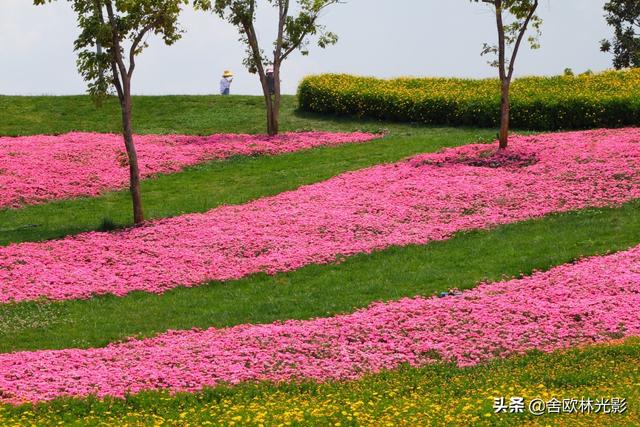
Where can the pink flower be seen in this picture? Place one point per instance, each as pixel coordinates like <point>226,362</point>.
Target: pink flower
<point>426,198</point>
<point>594,300</point>
<point>35,169</point>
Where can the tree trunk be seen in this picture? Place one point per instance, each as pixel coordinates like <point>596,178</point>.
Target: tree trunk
<point>272,103</point>
<point>504,114</point>
<point>276,98</point>
<point>272,122</point>
<point>134,170</point>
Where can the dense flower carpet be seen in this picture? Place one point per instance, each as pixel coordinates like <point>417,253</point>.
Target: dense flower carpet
<point>422,199</point>
<point>418,359</point>
<point>591,301</point>
<point>36,169</point>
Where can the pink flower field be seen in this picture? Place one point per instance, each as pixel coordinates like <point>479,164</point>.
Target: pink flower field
<point>429,197</point>
<point>36,169</point>
<point>591,301</point>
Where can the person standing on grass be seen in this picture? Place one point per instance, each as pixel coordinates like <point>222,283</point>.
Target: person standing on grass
<point>225,83</point>
<point>271,82</point>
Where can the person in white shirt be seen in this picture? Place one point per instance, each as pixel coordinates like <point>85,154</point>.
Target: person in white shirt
<point>225,83</point>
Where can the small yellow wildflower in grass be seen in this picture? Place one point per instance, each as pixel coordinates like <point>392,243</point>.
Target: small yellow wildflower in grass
<point>434,395</point>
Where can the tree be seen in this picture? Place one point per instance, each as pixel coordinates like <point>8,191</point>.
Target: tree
<point>293,31</point>
<point>624,17</point>
<point>118,30</point>
<point>510,35</point>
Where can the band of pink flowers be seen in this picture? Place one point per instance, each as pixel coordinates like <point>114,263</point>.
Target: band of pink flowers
<point>429,197</point>
<point>36,169</point>
<point>591,301</point>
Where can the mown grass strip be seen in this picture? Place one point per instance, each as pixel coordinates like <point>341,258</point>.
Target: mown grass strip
<point>182,114</point>
<point>199,115</point>
<point>440,394</point>
<point>325,290</point>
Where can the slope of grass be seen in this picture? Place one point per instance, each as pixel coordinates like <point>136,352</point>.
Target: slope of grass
<point>192,115</point>
<point>204,187</point>
<point>28,115</point>
<point>441,394</point>
<point>325,290</point>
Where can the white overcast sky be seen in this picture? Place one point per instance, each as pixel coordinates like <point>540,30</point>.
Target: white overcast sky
<point>382,38</point>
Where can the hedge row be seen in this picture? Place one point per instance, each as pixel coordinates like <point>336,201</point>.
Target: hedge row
<point>608,99</point>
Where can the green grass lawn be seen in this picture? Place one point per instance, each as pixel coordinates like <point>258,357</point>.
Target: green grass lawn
<point>198,115</point>
<point>439,395</point>
<point>306,293</point>
<point>192,115</point>
<point>325,290</point>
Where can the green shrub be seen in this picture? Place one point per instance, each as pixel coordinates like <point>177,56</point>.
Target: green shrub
<point>608,99</point>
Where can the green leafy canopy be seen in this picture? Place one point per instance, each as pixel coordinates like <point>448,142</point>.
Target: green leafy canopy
<point>293,32</point>
<point>132,21</point>
<point>624,17</point>
<point>521,19</point>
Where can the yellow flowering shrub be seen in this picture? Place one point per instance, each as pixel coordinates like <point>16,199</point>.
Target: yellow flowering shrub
<point>608,99</point>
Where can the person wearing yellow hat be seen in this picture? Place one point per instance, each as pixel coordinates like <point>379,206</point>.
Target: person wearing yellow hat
<point>225,83</point>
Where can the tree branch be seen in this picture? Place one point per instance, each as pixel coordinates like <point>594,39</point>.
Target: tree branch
<point>523,30</point>
<point>252,39</point>
<point>283,9</point>
<point>501,39</point>
<point>136,43</point>
<point>296,45</point>
<point>117,53</point>
<point>305,33</point>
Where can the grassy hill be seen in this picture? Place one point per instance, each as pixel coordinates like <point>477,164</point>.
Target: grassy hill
<point>197,115</point>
